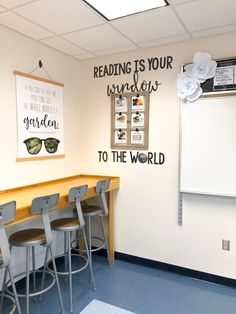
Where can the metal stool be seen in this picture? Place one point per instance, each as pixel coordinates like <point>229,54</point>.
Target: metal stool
<point>30,238</point>
<point>68,225</point>
<point>7,214</point>
<point>90,211</point>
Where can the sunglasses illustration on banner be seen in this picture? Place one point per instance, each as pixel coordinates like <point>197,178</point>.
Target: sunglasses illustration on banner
<point>34,145</point>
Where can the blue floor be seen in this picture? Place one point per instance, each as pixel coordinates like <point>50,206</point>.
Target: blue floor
<point>141,290</point>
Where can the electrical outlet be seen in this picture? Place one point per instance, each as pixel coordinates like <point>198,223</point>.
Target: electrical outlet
<point>226,245</point>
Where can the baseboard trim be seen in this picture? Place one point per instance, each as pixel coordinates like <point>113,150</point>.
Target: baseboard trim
<point>177,269</point>
<point>173,268</point>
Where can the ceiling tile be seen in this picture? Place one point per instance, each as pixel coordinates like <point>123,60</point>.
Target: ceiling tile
<point>60,16</point>
<point>115,50</point>
<point>213,31</point>
<point>203,14</point>
<point>164,41</point>
<point>150,25</point>
<point>63,45</point>
<point>12,3</point>
<point>21,25</point>
<point>86,55</point>
<point>98,38</point>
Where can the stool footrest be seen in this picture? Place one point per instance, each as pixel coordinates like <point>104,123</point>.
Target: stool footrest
<point>94,249</point>
<point>65,273</point>
<point>33,294</point>
<point>13,301</point>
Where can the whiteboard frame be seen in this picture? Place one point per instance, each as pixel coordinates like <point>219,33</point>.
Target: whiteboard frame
<point>182,192</point>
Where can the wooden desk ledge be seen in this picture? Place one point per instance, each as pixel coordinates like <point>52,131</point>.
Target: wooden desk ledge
<point>23,195</point>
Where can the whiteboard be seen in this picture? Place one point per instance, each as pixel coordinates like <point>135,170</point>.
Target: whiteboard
<point>208,146</point>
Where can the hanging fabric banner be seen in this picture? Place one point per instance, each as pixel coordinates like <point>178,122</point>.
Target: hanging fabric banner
<point>39,118</point>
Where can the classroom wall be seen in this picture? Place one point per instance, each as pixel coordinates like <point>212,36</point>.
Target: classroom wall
<point>147,202</point>
<point>21,53</point>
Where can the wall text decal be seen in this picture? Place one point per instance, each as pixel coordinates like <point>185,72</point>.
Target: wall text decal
<point>126,68</point>
<point>124,156</point>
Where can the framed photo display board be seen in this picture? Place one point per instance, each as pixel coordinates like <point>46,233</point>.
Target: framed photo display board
<point>130,121</point>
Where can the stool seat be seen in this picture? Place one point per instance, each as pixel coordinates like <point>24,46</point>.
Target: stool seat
<point>91,210</point>
<point>65,224</point>
<point>28,237</point>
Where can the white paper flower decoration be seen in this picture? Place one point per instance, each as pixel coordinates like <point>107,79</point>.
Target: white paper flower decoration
<point>188,87</point>
<point>202,68</point>
<point>188,83</point>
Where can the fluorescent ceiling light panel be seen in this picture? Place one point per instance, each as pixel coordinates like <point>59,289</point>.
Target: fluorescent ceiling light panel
<point>115,9</point>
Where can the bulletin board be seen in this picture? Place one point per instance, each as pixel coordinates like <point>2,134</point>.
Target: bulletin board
<point>224,79</point>
<point>130,121</point>
<point>40,128</point>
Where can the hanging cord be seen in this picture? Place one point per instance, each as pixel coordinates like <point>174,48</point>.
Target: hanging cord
<point>40,66</point>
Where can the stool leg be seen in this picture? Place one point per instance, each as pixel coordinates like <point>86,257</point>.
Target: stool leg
<point>65,252</point>
<point>14,289</point>
<point>4,283</point>
<point>89,260</point>
<point>27,278</point>
<point>44,270</point>
<point>3,289</point>
<point>34,274</point>
<point>105,240</point>
<point>70,274</point>
<point>89,239</point>
<point>57,281</point>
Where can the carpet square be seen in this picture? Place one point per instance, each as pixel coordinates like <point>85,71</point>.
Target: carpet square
<point>99,307</point>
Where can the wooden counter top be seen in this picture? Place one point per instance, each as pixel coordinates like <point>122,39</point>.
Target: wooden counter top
<point>23,195</point>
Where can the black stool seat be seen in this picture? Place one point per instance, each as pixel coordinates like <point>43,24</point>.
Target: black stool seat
<point>91,210</point>
<point>65,224</point>
<point>28,237</point>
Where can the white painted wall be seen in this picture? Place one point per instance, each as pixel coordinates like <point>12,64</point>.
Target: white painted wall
<point>147,202</point>
<point>21,53</point>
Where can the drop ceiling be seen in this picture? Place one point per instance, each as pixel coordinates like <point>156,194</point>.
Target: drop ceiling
<point>74,28</point>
